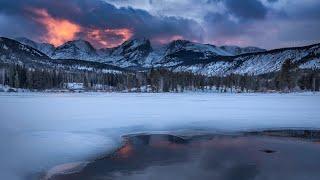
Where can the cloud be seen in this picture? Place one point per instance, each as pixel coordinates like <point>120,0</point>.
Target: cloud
<point>58,31</point>
<point>108,37</point>
<point>246,9</point>
<point>107,23</point>
<point>272,1</point>
<point>264,23</point>
<point>101,23</point>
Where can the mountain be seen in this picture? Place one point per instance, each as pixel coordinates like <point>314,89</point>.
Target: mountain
<point>77,49</point>
<point>104,52</point>
<point>185,52</point>
<point>184,56</point>
<point>132,53</point>
<point>138,53</point>
<point>184,45</point>
<point>236,50</point>
<point>45,48</point>
<point>13,51</point>
<point>306,57</point>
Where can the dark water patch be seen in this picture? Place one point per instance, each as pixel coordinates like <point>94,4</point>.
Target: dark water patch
<point>269,151</point>
<point>205,157</point>
<point>313,135</point>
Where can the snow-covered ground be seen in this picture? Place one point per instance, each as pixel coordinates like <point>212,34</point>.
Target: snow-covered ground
<point>41,130</point>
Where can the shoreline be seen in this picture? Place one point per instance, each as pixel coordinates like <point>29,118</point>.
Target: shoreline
<point>7,89</point>
<point>89,93</point>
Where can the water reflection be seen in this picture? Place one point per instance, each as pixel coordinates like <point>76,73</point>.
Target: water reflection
<point>159,157</point>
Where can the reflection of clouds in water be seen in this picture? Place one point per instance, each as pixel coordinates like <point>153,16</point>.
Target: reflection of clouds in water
<point>125,151</point>
<point>221,157</point>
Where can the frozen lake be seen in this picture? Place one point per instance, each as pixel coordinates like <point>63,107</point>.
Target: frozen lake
<point>39,131</point>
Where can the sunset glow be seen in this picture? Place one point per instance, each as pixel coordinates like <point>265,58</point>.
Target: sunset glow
<point>58,30</point>
<point>102,37</point>
<point>125,151</point>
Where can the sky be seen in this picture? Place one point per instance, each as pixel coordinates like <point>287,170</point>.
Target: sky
<point>107,23</point>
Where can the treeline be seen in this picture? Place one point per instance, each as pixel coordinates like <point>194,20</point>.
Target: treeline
<point>19,76</point>
<point>287,79</point>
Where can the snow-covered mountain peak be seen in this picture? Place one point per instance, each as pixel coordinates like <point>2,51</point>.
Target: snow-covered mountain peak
<point>236,50</point>
<point>77,49</point>
<point>130,46</point>
<point>131,53</point>
<point>79,44</point>
<point>179,55</point>
<point>176,45</point>
<point>185,45</point>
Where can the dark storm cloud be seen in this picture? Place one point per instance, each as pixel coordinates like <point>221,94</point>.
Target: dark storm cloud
<point>304,11</point>
<point>97,14</point>
<point>272,1</point>
<point>246,9</point>
<point>222,25</point>
<point>221,29</point>
<point>236,24</point>
<point>264,23</point>
<point>274,23</point>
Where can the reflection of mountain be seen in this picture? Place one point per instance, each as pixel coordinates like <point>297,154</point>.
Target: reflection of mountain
<point>135,155</point>
<point>202,157</point>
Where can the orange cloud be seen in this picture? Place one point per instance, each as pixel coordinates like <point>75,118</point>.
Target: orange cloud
<point>109,37</point>
<point>58,30</point>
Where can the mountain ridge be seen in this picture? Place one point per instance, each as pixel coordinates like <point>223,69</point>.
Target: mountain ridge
<point>16,53</point>
<point>187,56</point>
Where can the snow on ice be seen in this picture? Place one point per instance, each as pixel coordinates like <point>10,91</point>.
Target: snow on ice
<point>40,130</point>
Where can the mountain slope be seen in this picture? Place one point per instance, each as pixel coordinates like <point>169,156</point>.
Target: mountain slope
<point>258,63</point>
<point>235,50</point>
<point>45,48</point>
<point>77,49</point>
<point>131,53</point>
<point>14,52</point>
<point>179,55</point>
<point>182,52</point>
<point>11,50</point>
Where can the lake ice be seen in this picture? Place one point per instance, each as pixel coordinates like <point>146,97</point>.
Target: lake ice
<point>39,130</point>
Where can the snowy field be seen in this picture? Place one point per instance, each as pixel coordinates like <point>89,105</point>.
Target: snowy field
<point>39,131</point>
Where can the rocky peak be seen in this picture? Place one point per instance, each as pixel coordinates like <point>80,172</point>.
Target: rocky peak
<point>77,49</point>
<point>188,46</point>
<point>136,45</point>
<point>78,45</point>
